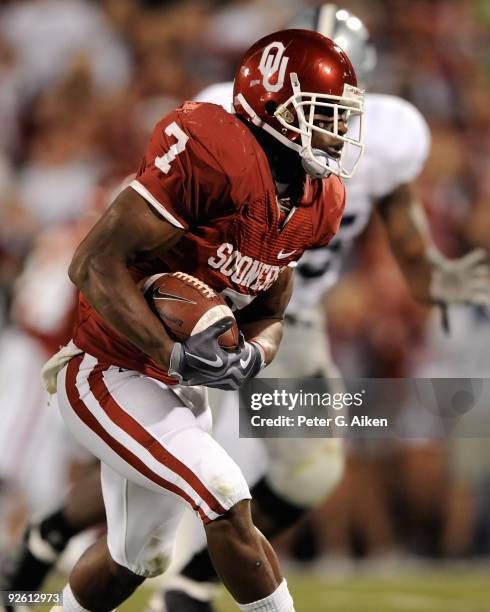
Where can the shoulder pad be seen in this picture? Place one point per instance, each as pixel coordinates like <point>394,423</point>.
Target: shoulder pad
<point>397,140</point>
<point>218,93</point>
<point>218,140</point>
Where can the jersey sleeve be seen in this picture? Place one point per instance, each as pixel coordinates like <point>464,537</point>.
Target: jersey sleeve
<point>194,167</point>
<point>163,178</point>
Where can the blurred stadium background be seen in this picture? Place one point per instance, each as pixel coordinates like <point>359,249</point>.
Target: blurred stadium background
<point>81,85</point>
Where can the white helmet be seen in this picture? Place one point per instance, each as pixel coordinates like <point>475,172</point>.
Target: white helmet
<point>346,30</point>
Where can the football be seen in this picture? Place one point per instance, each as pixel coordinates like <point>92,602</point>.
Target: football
<point>186,306</point>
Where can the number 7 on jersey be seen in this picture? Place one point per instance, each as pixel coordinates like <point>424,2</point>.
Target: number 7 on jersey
<point>163,161</point>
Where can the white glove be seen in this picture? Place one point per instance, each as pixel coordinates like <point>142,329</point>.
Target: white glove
<point>463,280</point>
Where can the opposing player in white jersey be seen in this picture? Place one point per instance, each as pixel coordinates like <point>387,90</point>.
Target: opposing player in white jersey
<point>290,476</point>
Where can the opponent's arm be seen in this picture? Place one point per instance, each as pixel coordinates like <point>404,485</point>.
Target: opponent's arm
<point>408,240</point>
<point>130,229</point>
<point>430,276</point>
<point>262,319</point>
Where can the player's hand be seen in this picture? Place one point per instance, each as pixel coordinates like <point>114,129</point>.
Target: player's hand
<point>200,360</point>
<point>464,280</point>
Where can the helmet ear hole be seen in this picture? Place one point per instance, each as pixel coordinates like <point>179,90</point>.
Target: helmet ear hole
<point>270,107</point>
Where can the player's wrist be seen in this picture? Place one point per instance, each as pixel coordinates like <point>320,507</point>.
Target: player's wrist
<point>261,351</point>
<point>166,349</point>
<point>175,361</point>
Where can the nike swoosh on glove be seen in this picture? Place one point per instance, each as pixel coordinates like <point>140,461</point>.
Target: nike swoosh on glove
<point>200,360</point>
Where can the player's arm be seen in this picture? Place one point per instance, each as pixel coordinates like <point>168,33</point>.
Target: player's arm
<point>430,276</point>
<point>261,321</point>
<point>129,230</point>
<point>408,239</point>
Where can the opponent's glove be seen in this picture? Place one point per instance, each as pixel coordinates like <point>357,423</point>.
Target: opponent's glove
<point>463,280</point>
<point>200,360</point>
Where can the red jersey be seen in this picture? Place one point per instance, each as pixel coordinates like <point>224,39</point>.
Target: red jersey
<point>204,172</point>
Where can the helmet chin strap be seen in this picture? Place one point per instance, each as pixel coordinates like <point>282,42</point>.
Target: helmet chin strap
<point>256,120</point>
<point>312,163</point>
<point>312,166</point>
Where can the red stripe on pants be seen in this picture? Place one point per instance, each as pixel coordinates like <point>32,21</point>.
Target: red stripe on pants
<point>91,422</point>
<point>143,437</point>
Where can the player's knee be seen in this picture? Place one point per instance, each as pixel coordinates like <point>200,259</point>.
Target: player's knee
<point>148,561</point>
<point>235,524</point>
<point>155,562</point>
<point>112,575</point>
<point>124,575</point>
<point>226,484</point>
<point>307,473</point>
<point>119,581</point>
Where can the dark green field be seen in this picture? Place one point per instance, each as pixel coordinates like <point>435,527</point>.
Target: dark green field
<point>425,591</point>
<point>430,590</point>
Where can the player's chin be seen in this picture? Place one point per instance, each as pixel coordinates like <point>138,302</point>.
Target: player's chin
<point>334,151</point>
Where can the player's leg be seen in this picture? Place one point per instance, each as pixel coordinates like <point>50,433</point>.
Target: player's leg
<point>141,529</point>
<point>194,582</point>
<point>98,578</point>
<point>142,431</point>
<point>45,539</point>
<point>100,582</point>
<point>274,509</point>
<point>193,586</point>
<point>287,478</point>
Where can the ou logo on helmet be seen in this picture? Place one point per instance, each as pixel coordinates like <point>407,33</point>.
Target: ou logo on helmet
<point>272,61</point>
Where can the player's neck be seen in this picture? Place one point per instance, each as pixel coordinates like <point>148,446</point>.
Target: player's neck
<point>288,195</point>
<point>285,164</point>
<point>281,188</point>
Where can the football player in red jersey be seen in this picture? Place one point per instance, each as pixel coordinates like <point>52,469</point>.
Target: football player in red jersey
<point>235,201</point>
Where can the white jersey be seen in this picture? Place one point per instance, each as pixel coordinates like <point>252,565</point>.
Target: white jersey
<point>397,143</point>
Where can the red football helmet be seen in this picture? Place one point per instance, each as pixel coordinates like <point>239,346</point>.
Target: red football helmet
<point>291,79</point>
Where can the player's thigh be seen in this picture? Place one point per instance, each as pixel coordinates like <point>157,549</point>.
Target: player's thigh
<point>144,431</point>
